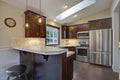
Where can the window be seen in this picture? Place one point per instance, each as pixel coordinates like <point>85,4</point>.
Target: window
<point>52,35</point>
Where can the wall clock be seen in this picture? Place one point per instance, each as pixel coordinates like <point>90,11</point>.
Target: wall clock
<point>10,22</point>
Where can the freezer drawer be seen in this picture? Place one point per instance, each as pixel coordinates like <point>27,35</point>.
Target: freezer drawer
<point>95,58</point>
<point>102,58</point>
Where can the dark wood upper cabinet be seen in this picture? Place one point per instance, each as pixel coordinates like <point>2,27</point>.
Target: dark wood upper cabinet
<point>69,32</point>
<point>72,32</point>
<point>100,24</point>
<point>35,28</point>
<point>82,27</point>
<point>65,32</point>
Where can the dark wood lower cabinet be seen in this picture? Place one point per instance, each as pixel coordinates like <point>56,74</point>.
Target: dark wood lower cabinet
<point>57,67</point>
<point>70,67</point>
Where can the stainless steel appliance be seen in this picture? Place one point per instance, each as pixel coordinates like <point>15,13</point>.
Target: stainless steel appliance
<point>101,47</point>
<point>82,53</point>
<point>83,35</point>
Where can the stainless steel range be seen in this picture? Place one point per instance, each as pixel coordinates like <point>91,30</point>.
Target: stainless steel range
<point>82,53</point>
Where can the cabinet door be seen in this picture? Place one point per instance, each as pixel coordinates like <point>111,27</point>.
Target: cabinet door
<point>82,27</point>
<point>43,28</point>
<point>70,69</point>
<point>65,32</point>
<point>35,29</point>
<point>72,32</point>
<point>100,24</point>
<point>105,23</point>
<point>71,48</point>
<point>94,25</point>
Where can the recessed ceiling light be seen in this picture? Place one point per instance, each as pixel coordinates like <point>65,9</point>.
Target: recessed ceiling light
<point>75,16</point>
<point>74,9</point>
<point>65,6</point>
<point>55,20</point>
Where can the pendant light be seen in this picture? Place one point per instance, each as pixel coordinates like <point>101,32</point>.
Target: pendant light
<point>40,19</point>
<point>26,23</point>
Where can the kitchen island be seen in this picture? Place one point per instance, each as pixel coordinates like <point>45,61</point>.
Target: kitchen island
<point>44,62</point>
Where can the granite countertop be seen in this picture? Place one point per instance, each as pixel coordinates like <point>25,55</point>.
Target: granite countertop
<point>36,46</point>
<point>45,50</point>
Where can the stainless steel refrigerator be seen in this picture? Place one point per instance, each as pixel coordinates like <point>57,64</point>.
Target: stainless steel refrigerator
<point>101,47</point>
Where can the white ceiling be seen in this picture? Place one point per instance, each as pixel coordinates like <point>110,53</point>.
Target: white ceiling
<point>52,8</point>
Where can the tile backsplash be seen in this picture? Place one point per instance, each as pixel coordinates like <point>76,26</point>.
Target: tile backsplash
<point>73,42</point>
<point>27,41</point>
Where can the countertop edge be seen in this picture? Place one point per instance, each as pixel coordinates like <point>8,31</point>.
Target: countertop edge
<point>41,52</point>
<point>68,53</point>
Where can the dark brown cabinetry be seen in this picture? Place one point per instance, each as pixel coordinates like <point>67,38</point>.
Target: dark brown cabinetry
<point>35,29</point>
<point>83,27</point>
<point>70,32</point>
<point>72,48</point>
<point>100,24</point>
<point>65,32</point>
<point>70,67</point>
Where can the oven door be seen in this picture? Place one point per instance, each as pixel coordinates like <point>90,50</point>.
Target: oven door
<point>82,54</point>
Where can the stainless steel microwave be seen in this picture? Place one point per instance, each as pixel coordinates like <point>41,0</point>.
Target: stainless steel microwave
<point>83,35</point>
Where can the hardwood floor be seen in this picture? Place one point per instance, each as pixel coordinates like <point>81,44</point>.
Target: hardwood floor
<point>86,71</point>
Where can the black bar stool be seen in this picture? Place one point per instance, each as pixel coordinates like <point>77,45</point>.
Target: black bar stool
<point>16,71</point>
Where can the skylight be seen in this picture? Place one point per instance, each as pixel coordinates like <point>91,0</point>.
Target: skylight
<point>75,9</point>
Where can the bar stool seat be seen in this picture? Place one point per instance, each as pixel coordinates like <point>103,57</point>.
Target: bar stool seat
<point>16,71</point>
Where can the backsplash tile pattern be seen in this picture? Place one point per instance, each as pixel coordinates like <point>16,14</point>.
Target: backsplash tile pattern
<point>72,42</point>
<point>27,41</point>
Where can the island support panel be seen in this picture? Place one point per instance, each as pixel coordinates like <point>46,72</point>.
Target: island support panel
<point>57,67</point>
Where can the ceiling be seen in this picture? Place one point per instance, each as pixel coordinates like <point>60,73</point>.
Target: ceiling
<point>52,8</point>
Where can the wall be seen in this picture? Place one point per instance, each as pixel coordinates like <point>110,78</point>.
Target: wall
<point>116,26</point>
<point>9,57</point>
<point>102,14</point>
<point>5,32</point>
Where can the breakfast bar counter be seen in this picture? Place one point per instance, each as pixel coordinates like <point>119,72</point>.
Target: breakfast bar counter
<point>44,62</point>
